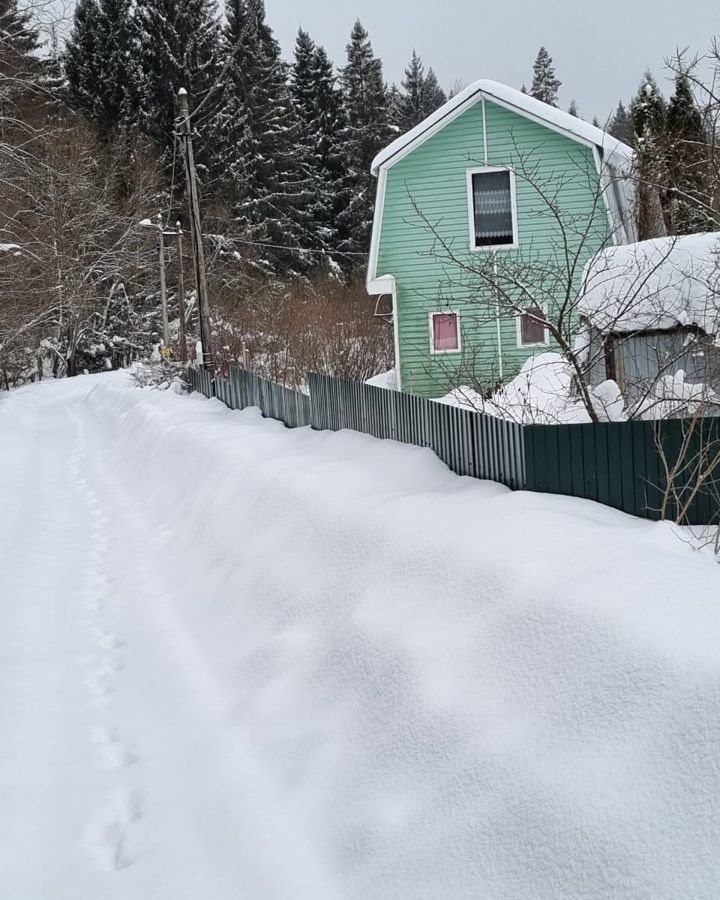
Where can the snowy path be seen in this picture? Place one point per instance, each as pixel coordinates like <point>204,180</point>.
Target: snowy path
<point>117,751</point>
<point>242,662</point>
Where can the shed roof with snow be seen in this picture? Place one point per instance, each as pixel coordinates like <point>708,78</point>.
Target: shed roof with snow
<point>654,284</point>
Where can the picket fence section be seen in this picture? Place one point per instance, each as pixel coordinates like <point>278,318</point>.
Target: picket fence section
<point>620,464</point>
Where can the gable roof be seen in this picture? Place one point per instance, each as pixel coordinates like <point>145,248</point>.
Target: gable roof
<point>616,154</point>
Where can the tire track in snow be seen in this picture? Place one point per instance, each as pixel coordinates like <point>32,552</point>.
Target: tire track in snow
<point>108,831</point>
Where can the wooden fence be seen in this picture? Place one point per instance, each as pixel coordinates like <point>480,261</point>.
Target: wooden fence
<point>620,464</point>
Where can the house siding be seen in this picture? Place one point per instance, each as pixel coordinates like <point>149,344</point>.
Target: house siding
<point>431,183</point>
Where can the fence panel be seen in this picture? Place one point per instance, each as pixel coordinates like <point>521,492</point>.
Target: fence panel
<point>469,443</point>
<point>620,464</point>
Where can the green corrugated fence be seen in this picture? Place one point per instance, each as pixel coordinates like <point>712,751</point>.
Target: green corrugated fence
<point>620,464</point>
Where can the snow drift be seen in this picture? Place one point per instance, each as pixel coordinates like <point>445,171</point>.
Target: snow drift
<point>450,690</point>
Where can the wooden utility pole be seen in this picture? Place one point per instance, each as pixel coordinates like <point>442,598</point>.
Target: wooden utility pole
<point>181,290</point>
<point>163,285</point>
<point>196,234</point>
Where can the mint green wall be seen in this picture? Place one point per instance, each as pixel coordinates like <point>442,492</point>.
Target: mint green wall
<point>431,182</point>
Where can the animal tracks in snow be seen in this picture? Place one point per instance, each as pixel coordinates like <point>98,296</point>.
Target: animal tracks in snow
<point>108,834</point>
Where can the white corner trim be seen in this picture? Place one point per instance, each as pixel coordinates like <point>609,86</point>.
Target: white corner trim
<point>444,312</point>
<point>376,229</point>
<point>518,332</point>
<point>385,284</point>
<point>617,228</point>
<point>481,170</point>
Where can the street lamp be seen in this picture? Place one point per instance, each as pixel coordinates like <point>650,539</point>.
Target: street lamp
<point>162,233</point>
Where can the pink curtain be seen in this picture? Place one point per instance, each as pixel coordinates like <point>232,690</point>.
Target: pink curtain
<point>445,332</point>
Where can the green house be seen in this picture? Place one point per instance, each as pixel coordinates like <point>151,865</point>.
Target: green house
<point>486,214</point>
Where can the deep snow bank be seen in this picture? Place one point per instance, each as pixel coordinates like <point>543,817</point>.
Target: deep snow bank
<point>460,691</point>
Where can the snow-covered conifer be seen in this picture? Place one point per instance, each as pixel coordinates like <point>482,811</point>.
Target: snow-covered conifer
<point>366,132</point>
<point>102,76</point>
<point>545,84</point>
<point>260,148</point>
<point>178,48</point>
<point>620,126</point>
<point>689,202</point>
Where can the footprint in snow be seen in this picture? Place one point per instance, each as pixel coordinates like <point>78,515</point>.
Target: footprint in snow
<point>106,836</point>
<point>117,752</point>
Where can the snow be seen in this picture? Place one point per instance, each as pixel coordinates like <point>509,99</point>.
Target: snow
<point>616,154</point>
<point>387,380</point>
<point>542,394</point>
<point>657,283</point>
<point>243,661</point>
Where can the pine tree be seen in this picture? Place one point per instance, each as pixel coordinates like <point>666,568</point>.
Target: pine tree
<point>545,85</point>
<point>101,75</point>
<point>367,131</point>
<point>318,104</point>
<point>573,109</point>
<point>648,118</point>
<point>687,163</point>
<point>620,125</point>
<point>178,46</point>
<point>261,151</point>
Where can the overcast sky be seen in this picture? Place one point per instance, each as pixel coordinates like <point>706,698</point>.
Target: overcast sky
<point>600,49</point>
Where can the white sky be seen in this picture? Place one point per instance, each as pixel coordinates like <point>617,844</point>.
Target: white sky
<point>600,50</point>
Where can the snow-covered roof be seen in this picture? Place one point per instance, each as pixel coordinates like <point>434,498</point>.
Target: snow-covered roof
<point>615,152</point>
<point>659,283</point>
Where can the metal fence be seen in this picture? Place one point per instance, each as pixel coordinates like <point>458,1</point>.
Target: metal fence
<point>620,464</point>
<point>469,443</point>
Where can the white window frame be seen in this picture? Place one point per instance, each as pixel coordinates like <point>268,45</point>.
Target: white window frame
<point>518,328</point>
<point>484,170</point>
<point>431,317</point>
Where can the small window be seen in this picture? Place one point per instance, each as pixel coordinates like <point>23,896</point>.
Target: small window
<point>533,329</point>
<point>492,208</point>
<point>445,332</point>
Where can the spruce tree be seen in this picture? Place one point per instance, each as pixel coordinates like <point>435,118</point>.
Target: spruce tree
<point>318,104</point>
<point>419,96</point>
<point>394,101</point>
<point>545,85</point>
<point>687,163</point>
<point>648,119</point>
<point>433,95</point>
<point>411,101</point>
<point>261,151</point>
<point>366,133</point>
<point>620,125</point>
<point>178,47</point>
<point>102,79</point>
<point>573,109</point>
<point>19,65</point>
<point>19,41</point>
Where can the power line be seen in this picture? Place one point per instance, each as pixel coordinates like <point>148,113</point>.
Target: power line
<point>294,249</point>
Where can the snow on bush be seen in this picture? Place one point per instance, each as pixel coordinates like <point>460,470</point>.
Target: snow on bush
<point>542,394</point>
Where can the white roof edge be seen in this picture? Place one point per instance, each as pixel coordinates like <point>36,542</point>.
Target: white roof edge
<point>524,103</point>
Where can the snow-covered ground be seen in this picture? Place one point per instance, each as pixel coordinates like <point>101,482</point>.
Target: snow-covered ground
<point>242,662</point>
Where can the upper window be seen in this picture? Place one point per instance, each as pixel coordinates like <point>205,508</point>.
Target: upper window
<point>445,332</point>
<point>492,208</point>
<point>532,328</point>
